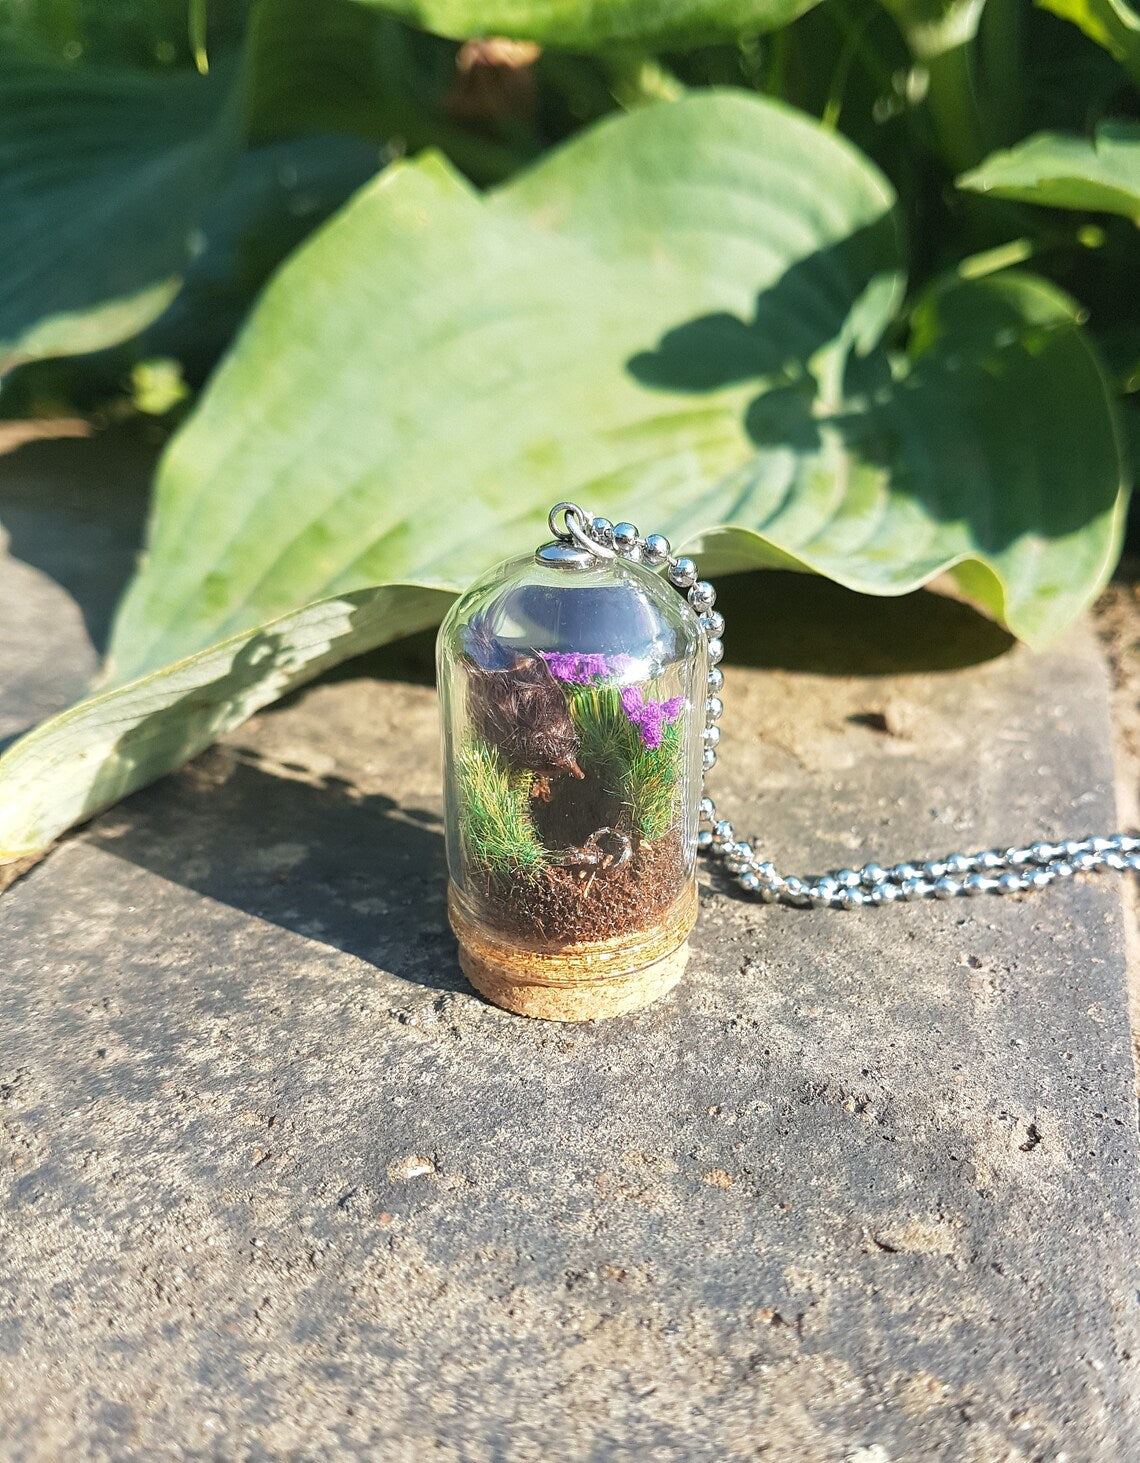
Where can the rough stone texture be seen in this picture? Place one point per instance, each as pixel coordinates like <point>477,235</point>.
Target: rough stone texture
<point>277,1185</point>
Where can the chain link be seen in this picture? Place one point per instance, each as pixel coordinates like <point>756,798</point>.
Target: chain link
<point>992,871</point>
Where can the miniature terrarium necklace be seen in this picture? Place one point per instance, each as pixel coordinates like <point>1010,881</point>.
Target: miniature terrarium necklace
<point>580,692</point>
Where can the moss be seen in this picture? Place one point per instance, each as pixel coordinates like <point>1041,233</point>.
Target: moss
<point>494,813</point>
<point>650,784</point>
<point>642,779</point>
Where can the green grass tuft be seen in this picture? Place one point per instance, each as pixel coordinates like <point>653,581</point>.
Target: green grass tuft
<point>643,779</point>
<point>494,813</point>
<point>650,784</point>
<point>605,737</point>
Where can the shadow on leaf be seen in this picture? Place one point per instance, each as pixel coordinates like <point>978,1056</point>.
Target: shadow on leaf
<point>867,463</point>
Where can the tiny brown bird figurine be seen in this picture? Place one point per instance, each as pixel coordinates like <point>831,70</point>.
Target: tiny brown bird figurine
<point>517,705</point>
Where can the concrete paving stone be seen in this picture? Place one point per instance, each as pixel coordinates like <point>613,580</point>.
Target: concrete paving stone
<point>276,1184</point>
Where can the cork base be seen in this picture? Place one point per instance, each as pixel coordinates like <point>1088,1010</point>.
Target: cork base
<point>584,982</point>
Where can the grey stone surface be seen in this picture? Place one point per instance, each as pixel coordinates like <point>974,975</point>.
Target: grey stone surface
<point>275,1184</point>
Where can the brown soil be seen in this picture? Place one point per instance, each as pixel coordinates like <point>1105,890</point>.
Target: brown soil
<point>576,808</point>
<point>565,906</point>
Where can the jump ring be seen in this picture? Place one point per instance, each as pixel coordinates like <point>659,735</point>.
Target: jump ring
<point>569,510</point>
<point>577,530</point>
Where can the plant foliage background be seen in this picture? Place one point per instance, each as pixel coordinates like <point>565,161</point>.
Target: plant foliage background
<point>845,286</point>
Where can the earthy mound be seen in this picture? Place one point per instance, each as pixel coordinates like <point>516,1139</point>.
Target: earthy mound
<point>565,906</point>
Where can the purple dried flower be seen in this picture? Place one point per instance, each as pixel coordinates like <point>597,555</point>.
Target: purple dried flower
<point>581,670</point>
<point>563,664</point>
<point>591,668</point>
<point>650,717</point>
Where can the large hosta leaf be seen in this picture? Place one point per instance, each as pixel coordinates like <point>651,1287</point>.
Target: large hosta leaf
<point>603,23</point>
<point>1101,174</point>
<point>275,196</point>
<point>103,177</point>
<point>434,366</point>
<point>679,318</point>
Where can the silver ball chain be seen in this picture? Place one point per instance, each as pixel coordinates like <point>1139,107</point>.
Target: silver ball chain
<point>992,871</point>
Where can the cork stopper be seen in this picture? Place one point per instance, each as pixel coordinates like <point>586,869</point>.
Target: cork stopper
<point>589,981</point>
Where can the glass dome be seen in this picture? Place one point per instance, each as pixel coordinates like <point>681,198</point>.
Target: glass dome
<point>573,701</point>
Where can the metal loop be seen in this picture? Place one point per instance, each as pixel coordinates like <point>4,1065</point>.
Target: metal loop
<point>567,509</point>
<point>577,530</point>
<point>583,536</point>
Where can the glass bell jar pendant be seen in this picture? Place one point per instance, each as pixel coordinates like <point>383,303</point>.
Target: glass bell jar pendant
<point>573,687</point>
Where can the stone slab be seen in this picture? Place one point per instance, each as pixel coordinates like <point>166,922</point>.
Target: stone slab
<point>277,1184</point>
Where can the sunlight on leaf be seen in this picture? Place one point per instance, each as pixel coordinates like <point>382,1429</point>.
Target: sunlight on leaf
<point>481,357</point>
<point>1101,175</point>
<point>197,27</point>
<point>107,746</point>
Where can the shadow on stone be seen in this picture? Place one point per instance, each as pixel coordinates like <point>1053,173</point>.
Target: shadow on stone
<point>357,872</point>
<point>77,515</point>
<point>780,620</point>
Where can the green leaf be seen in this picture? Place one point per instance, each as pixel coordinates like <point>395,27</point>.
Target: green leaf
<point>677,24</point>
<point>103,176</point>
<point>275,196</point>
<point>680,319</point>
<point>1110,23</point>
<point>114,742</point>
<point>1050,168</point>
<point>435,366</point>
